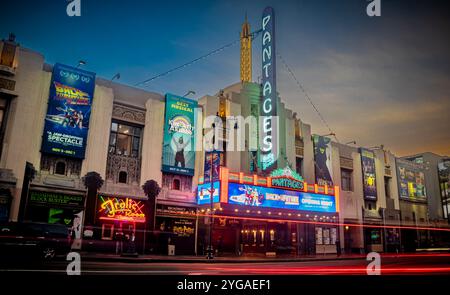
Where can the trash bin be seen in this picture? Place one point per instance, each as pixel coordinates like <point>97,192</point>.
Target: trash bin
<point>171,250</point>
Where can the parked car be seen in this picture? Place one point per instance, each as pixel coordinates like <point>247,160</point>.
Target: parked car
<point>39,240</point>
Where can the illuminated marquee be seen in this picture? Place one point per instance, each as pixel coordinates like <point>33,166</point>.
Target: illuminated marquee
<point>121,209</point>
<point>269,92</point>
<point>283,189</point>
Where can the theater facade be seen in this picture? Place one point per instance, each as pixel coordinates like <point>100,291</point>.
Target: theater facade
<point>276,215</point>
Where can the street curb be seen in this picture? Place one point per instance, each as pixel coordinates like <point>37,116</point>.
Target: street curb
<point>156,260</point>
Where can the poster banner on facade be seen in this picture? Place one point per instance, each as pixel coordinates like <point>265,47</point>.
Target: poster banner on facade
<point>411,180</point>
<point>369,175</point>
<point>68,112</point>
<point>179,135</point>
<point>212,164</point>
<point>322,160</point>
<point>251,195</point>
<point>444,185</point>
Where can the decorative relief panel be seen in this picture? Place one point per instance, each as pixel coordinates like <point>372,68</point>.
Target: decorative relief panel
<point>128,114</point>
<point>118,163</point>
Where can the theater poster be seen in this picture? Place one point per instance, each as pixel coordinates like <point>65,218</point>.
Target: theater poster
<point>68,112</point>
<point>179,135</point>
<point>322,159</point>
<point>369,176</point>
<point>411,180</point>
<point>212,164</point>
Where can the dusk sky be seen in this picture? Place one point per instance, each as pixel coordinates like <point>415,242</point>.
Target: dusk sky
<point>380,80</point>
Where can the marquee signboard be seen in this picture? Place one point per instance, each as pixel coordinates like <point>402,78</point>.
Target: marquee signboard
<point>257,196</point>
<point>268,113</point>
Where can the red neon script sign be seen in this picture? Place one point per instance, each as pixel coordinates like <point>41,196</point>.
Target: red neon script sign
<point>122,209</point>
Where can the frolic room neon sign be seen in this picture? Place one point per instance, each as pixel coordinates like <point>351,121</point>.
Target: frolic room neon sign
<point>121,209</point>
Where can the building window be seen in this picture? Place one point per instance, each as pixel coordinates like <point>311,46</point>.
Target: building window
<point>123,177</point>
<point>176,184</point>
<point>8,54</point>
<point>125,140</point>
<point>60,168</point>
<point>346,180</point>
<point>298,165</point>
<point>4,102</point>
<point>387,185</point>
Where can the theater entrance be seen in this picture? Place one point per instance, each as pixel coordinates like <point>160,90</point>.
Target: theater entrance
<point>268,237</point>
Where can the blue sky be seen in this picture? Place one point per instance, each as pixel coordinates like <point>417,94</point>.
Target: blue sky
<point>382,80</point>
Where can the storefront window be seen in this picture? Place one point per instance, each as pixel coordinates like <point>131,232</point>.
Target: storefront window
<point>125,140</point>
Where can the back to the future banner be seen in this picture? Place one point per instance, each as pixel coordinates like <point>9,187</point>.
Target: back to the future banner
<point>69,108</point>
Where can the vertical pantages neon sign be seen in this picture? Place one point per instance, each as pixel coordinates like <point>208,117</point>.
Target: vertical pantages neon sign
<point>268,120</point>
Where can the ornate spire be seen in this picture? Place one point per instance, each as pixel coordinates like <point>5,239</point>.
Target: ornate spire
<point>246,52</point>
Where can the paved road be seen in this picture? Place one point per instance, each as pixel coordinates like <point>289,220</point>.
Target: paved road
<point>407,264</point>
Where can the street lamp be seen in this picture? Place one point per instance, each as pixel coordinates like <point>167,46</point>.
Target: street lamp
<point>116,76</point>
<point>81,63</point>
<point>329,134</point>
<point>189,92</point>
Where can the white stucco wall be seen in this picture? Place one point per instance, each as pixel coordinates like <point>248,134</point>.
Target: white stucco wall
<point>99,129</point>
<point>152,141</point>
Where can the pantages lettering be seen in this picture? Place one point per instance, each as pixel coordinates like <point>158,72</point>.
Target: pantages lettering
<point>287,183</point>
<point>269,93</point>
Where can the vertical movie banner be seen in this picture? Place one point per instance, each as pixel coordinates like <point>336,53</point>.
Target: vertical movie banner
<point>268,114</point>
<point>68,112</point>
<point>179,135</point>
<point>369,175</point>
<point>212,164</point>
<point>322,160</point>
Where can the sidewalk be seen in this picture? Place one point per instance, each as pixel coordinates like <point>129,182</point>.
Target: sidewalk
<point>100,257</point>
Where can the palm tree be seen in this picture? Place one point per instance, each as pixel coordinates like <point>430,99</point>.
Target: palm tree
<point>93,182</point>
<point>151,189</point>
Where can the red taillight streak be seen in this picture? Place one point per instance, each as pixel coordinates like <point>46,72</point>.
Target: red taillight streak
<point>328,223</point>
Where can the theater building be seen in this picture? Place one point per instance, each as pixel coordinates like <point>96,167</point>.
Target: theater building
<point>274,215</point>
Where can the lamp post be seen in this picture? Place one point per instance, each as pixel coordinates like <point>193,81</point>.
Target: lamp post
<point>211,204</point>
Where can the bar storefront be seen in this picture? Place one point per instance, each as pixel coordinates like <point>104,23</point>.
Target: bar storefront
<point>276,215</point>
<point>120,220</point>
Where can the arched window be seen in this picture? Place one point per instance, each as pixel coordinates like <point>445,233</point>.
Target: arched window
<point>60,168</point>
<point>176,184</point>
<point>123,177</point>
